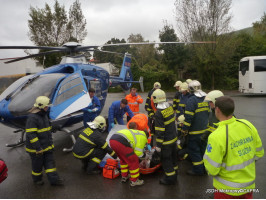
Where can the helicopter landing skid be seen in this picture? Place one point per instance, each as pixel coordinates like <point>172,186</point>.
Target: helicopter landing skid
<point>72,137</point>
<point>20,142</point>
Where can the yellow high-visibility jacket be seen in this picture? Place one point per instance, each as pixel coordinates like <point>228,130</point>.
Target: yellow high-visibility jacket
<point>230,156</point>
<point>137,139</point>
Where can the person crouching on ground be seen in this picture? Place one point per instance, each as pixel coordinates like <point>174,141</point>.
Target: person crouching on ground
<point>128,144</point>
<point>91,148</point>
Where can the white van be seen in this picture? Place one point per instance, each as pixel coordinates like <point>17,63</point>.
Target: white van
<point>252,75</point>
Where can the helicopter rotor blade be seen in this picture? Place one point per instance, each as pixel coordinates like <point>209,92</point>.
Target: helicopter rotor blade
<point>33,55</point>
<point>34,47</point>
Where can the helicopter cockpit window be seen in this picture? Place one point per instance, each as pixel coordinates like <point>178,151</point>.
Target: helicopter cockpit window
<point>23,100</point>
<point>96,84</point>
<point>70,87</point>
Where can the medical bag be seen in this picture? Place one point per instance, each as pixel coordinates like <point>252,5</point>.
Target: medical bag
<point>3,171</point>
<point>110,170</point>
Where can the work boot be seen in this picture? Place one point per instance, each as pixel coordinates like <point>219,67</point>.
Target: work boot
<point>137,182</point>
<point>125,178</point>
<point>38,182</point>
<point>192,173</point>
<point>170,180</point>
<point>84,165</point>
<point>59,182</point>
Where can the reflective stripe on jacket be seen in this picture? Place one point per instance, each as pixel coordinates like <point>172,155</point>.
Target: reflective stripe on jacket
<point>87,141</point>
<point>137,139</point>
<point>165,129</point>
<point>196,115</point>
<point>38,133</point>
<point>133,102</point>
<point>233,168</point>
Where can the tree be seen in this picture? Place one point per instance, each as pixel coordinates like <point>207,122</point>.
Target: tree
<point>174,54</point>
<point>259,29</point>
<point>53,28</point>
<point>206,20</point>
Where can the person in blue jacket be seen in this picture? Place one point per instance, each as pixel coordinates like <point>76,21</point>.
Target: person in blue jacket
<point>116,113</point>
<point>92,111</point>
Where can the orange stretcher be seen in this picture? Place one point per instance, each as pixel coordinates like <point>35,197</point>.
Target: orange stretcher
<point>149,170</point>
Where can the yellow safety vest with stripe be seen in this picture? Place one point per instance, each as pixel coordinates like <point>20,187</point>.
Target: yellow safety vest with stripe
<point>165,128</point>
<point>137,139</point>
<point>38,133</point>
<point>230,156</point>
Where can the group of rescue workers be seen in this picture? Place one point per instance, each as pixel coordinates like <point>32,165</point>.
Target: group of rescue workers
<point>198,126</point>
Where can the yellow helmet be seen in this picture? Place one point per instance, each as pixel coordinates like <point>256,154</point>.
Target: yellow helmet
<point>41,102</point>
<point>183,87</point>
<point>188,81</point>
<point>213,95</point>
<point>157,85</point>
<point>177,83</point>
<point>181,119</point>
<point>100,122</point>
<point>158,96</point>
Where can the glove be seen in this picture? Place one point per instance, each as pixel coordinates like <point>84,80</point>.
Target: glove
<point>158,149</point>
<point>112,125</point>
<point>149,147</point>
<point>90,110</point>
<point>94,109</point>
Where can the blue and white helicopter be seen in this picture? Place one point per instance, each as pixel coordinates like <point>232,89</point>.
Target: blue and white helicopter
<point>66,84</point>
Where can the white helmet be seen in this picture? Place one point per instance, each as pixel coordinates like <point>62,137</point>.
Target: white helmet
<point>158,96</point>
<point>157,85</point>
<point>177,83</point>
<point>183,87</point>
<point>100,122</point>
<point>188,81</point>
<point>195,87</point>
<point>41,102</point>
<point>213,95</point>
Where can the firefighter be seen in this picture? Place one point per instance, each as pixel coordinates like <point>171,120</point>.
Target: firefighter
<point>232,151</point>
<point>166,137</point>
<point>128,145</point>
<point>116,113</point>
<point>188,81</point>
<point>133,100</point>
<point>149,107</point>
<point>176,99</point>
<point>196,123</point>
<point>90,112</point>
<point>91,148</point>
<point>39,143</point>
<point>211,98</point>
<point>142,124</point>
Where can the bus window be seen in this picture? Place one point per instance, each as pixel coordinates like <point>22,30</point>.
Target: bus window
<point>244,66</point>
<point>260,65</point>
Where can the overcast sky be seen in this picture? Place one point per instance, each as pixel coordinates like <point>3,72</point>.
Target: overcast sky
<point>111,18</point>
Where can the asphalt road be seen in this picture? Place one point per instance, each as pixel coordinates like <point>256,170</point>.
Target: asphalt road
<point>19,184</point>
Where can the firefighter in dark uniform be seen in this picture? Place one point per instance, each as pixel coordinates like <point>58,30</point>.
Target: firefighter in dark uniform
<point>176,99</point>
<point>149,108</point>
<point>39,143</point>
<point>166,137</point>
<point>195,124</point>
<point>91,147</point>
<point>211,98</point>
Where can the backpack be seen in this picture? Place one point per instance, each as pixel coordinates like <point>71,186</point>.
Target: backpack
<point>110,169</point>
<point>3,171</point>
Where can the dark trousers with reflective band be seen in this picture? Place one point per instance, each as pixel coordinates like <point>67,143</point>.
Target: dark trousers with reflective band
<point>169,159</point>
<point>151,125</point>
<point>196,151</point>
<point>93,160</point>
<point>45,160</point>
<point>129,161</point>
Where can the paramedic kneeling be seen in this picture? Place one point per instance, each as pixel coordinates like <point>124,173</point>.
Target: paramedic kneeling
<point>128,144</point>
<point>231,153</point>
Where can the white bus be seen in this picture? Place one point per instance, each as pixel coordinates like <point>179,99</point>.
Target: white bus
<point>252,75</point>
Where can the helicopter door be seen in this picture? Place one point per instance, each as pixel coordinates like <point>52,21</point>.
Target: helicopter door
<point>71,96</point>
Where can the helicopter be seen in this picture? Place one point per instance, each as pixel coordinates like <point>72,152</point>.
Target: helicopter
<point>66,84</point>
